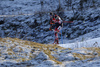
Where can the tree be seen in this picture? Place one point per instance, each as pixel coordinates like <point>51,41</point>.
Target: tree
<point>93,1</point>
<point>81,5</point>
<point>69,3</point>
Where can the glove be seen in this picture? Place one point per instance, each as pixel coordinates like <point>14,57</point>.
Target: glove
<point>52,23</point>
<point>50,28</point>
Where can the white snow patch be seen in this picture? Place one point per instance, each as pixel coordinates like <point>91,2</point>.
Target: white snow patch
<point>89,43</point>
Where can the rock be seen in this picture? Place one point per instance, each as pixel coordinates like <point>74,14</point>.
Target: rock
<point>2,22</point>
<point>17,49</point>
<point>7,31</point>
<point>74,64</point>
<point>33,62</point>
<point>7,64</point>
<point>66,58</point>
<point>2,34</point>
<point>41,57</point>
<point>47,63</point>
<point>42,65</point>
<point>29,63</point>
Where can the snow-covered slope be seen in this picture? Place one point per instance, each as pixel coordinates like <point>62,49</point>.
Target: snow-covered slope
<point>85,43</point>
<point>80,49</point>
<point>15,52</point>
<point>33,28</point>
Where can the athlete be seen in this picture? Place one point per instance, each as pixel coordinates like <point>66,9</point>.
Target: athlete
<point>56,25</point>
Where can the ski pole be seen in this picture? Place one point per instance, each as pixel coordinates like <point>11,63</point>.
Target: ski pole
<point>67,21</point>
<point>61,37</point>
<point>61,34</point>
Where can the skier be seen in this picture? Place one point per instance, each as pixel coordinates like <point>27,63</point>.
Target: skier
<point>52,21</point>
<point>56,25</point>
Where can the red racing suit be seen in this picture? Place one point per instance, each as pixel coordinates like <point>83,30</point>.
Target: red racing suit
<point>57,27</point>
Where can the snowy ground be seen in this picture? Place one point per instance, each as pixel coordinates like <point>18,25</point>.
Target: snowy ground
<point>91,39</point>
<point>80,49</point>
<point>30,27</point>
<point>86,43</point>
<point>15,52</point>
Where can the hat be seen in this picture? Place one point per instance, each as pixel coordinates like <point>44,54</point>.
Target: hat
<point>51,13</point>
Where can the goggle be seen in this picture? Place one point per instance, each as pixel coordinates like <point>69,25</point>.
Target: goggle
<point>50,15</point>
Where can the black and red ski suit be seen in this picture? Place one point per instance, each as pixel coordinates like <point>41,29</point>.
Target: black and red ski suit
<point>56,25</point>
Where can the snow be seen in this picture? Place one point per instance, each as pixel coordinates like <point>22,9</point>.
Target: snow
<point>48,63</point>
<point>14,49</point>
<point>31,22</point>
<point>81,33</point>
<point>88,43</point>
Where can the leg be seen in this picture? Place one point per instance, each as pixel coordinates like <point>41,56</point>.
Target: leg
<point>56,38</point>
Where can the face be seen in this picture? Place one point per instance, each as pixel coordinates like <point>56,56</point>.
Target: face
<point>51,16</point>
